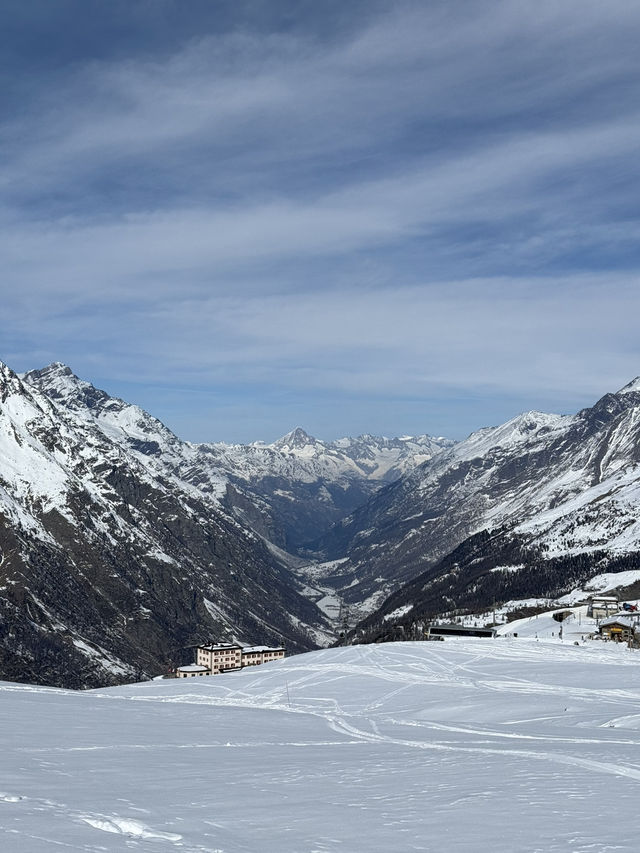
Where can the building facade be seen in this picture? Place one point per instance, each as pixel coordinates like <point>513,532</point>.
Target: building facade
<point>227,657</point>
<point>621,628</point>
<point>191,670</point>
<point>254,655</point>
<point>219,658</point>
<point>602,606</point>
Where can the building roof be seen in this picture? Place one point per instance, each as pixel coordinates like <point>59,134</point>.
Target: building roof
<point>193,667</point>
<point>462,630</point>
<point>625,621</point>
<point>236,647</point>
<point>250,649</point>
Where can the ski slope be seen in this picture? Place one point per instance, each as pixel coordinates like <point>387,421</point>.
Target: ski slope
<point>505,745</point>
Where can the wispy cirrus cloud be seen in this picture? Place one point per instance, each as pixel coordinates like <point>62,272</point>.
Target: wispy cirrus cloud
<point>405,201</point>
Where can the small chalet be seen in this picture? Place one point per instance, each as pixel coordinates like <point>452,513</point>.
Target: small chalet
<point>619,628</point>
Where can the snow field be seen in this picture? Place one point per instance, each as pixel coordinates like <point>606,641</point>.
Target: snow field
<point>509,744</point>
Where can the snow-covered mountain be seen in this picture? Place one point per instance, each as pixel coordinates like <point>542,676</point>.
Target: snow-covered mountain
<point>102,505</point>
<point>302,485</point>
<point>111,559</point>
<point>373,457</point>
<point>121,543</point>
<point>289,491</point>
<point>561,486</point>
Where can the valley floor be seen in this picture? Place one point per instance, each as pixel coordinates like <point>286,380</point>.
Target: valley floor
<point>505,745</point>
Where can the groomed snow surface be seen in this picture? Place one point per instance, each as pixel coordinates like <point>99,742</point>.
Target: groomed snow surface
<point>510,745</point>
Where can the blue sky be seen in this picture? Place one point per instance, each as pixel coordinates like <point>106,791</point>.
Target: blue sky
<point>396,217</point>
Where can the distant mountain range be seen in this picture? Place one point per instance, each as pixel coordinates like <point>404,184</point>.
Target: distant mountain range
<point>121,545</point>
<point>290,491</point>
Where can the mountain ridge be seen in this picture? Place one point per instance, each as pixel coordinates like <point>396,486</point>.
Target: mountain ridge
<point>160,538</point>
<point>559,486</point>
<point>109,563</point>
<point>286,490</point>
<point>120,543</point>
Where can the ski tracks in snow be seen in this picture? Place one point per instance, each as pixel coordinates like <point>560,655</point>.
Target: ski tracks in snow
<point>114,824</point>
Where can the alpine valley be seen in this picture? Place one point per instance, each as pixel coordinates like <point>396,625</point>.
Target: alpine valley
<point>121,545</point>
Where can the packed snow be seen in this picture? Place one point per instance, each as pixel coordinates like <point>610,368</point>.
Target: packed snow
<point>468,744</point>
<point>605,582</point>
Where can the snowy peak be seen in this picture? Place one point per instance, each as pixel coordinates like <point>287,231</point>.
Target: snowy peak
<point>631,387</point>
<point>9,382</point>
<point>323,480</point>
<point>373,457</point>
<point>5,371</point>
<point>297,439</point>
<point>56,368</point>
<point>516,433</point>
<point>297,456</point>
<point>289,492</point>
<point>118,420</point>
<point>611,406</point>
<point>59,383</point>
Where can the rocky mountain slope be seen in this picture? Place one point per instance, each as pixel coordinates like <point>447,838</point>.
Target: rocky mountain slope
<point>121,544</point>
<point>289,491</point>
<point>110,561</point>
<point>554,486</point>
<point>304,485</point>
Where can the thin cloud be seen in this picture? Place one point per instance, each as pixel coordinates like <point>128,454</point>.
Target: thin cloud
<point>435,196</point>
